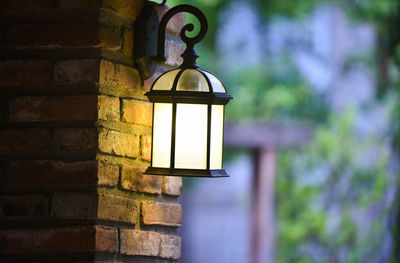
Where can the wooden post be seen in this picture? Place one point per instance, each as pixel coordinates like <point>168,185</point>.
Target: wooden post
<point>263,214</point>
<point>264,140</point>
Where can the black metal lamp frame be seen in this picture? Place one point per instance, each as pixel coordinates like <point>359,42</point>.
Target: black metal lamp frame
<point>173,96</point>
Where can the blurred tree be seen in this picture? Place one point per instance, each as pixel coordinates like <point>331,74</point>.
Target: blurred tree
<point>317,215</point>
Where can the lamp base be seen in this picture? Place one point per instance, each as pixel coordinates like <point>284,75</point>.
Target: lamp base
<point>187,172</point>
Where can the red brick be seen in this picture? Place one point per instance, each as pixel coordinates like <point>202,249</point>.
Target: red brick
<point>68,4</point>
<point>118,75</point>
<point>4,105</point>
<point>106,239</point>
<point>145,148</point>
<point>96,206</point>
<point>133,179</point>
<point>25,73</point>
<point>118,143</point>
<point>129,9</point>
<point>75,139</point>
<point>117,208</point>
<point>3,35</point>
<point>43,173</point>
<point>108,173</point>
<point>140,243</point>
<point>127,48</point>
<point>108,108</point>
<point>53,108</point>
<point>138,112</point>
<point>74,205</point>
<point>23,206</point>
<point>3,174</point>
<point>76,71</point>
<point>170,247</point>
<point>20,5</point>
<point>54,36</point>
<point>167,214</point>
<point>172,185</point>
<point>23,141</point>
<point>110,37</point>
<point>68,239</point>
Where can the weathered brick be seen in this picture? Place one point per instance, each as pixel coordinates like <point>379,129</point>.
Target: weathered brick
<point>3,35</point>
<point>23,206</point>
<point>4,108</point>
<point>129,9</point>
<point>117,208</point>
<point>44,173</point>
<point>127,47</point>
<point>108,173</point>
<point>145,147</point>
<point>132,178</point>
<point>141,243</point>
<point>106,239</point>
<point>67,239</point>
<point>25,73</point>
<point>82,205</point>
<point>167,214</point>
<point>172,185</point>
<point>118,75</point>
<point>24,140</point>
<point>108,108</point>
<point>76,71</point>
<point>138,112</point>
<point>74,205</point>
<point>110,37</point>
<point>21,5</point>
<point>53,108</point>
<point>70,4</point>
<point>118,143</point>
<point>173,52</point>
<point>75,139</point>
<point>54,36</point>
<point>170,247</point>
<point>3,174</point>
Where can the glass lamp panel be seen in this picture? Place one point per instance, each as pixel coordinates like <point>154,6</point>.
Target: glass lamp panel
<point>191,136</point>
<point>217,134</point>
<point>166,81</point>
<point>192,80</point>
<point>215,83</point>
<point>162,132</point>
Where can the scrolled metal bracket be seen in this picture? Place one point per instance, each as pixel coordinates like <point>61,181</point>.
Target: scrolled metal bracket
<point>147,29</point>
<point>189,56</point>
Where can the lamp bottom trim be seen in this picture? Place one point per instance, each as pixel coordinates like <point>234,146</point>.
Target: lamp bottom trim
<point>186,172</point>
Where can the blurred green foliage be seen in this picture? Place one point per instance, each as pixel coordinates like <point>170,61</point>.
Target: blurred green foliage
<point>330,199</point>
<point>344,189</point>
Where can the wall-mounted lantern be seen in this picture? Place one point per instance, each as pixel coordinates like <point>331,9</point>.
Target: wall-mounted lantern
<point>188,111</point>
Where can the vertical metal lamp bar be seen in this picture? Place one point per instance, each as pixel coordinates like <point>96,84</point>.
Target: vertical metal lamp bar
<point>208,135</point>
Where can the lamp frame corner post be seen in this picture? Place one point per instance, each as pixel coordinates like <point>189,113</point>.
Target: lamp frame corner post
<point>183,91</point>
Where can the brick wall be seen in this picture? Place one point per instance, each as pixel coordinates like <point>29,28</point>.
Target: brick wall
<point>76,134</point>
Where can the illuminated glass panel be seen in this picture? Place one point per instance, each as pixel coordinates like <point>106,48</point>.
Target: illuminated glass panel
<point>162,130</point>
<point>217,133</point>
<point>191,136</point>
<point>166,81</point>
<point>215,83</point>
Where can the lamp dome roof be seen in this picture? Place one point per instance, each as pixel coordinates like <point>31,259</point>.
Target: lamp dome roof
<point>197,80</point>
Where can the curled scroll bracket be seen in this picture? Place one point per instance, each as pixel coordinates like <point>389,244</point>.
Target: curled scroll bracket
<point>189,55</point>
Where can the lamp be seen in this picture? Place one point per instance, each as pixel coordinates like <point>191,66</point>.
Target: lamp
<point>188,110</point>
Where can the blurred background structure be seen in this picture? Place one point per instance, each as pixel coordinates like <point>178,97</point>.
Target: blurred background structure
<point>331,66</point>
